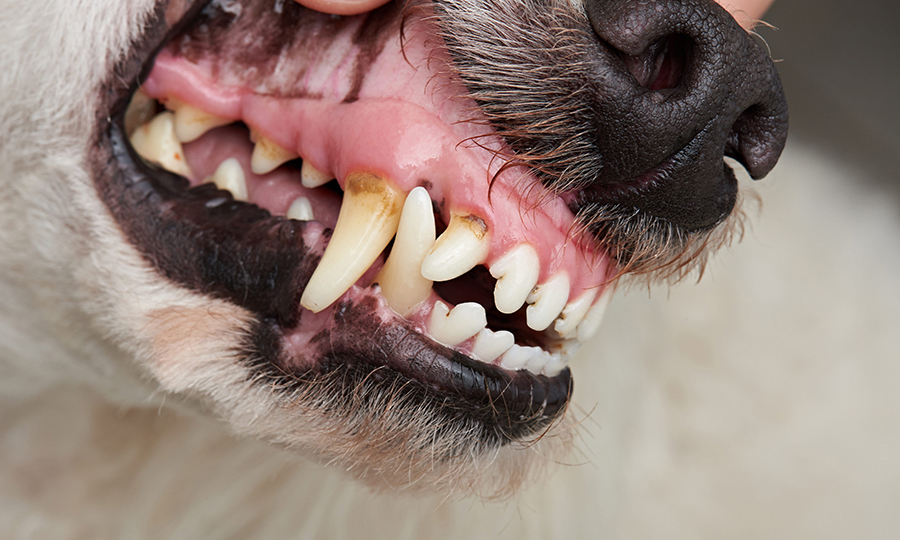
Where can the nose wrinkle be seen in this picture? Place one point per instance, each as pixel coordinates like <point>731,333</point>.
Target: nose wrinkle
<point>728,101</point>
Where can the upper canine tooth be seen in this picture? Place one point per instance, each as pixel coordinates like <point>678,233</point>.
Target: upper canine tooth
<point>573,313</point>
<point>452,327</point>
<point>311,177</point>
<point>402,284</point>
<point>463,245</point>
<point>591,322</point>
<point>547,301</point>
<point>155,141</point>
<point>191,122</point>
<point>517,273</point>
<point>301,210</point>
<point>229,176</point>
<point>139,111</point>
<point>268,156</point>
<point>368,220</point>
<point>489,345</point>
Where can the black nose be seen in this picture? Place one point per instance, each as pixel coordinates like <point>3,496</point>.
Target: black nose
<point>680,84</point>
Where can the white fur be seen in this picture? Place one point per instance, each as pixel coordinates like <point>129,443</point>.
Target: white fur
<point>760,403</point>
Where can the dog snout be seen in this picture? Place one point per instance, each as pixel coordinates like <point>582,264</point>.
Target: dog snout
<point>679,84</point>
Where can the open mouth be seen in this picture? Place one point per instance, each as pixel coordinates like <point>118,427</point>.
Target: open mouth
<point>387,221</point>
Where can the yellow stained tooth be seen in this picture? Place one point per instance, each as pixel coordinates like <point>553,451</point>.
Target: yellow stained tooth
<point>402,284</point>
<point>191,123</point>
<point>464,244</point>
<point>312,177</point>
<point>156,142</point>
<point>140,111</point>
<point>268,156</point>
<point>230,176</point>
<point>370,214</point>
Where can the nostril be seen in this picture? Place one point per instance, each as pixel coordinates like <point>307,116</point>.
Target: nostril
<point>757,139</point>
<point>663,64</point>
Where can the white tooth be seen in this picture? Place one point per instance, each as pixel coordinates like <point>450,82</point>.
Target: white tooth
<point>489,345</point>
<point>191,123</point>
<point>268,156</point>
<point>538,361</point>
<point>402,284</point>
<point>516,273</point>
<point>573,313</point>
<point>463,245</point>
<point>229,176</point>
<point>155,141</point>
<point>555,365</point>
<point>368,220</point>
<point>452,327</point>
<point>591,322</point>
<point>301,210</point>
<point>140,111</point>
<point>547,301</point>
<point>312,177</point>
<point>517,357</point>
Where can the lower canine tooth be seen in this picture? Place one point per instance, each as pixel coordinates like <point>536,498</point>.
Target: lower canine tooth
<point>547,301</point>
<point>312,177</point>
<point>573,313</point>
<point>591,322</point>
<point>490,345</point>
<point>464,244</point>
<point>517,273</point>
<point>230,176</point>
<point>368,220</point>
<point>191,123</point>
<point>301,210</point>
<point>452,327</point>
<point>155,141</point>
<point>402,285</point>
<point>268,156</point>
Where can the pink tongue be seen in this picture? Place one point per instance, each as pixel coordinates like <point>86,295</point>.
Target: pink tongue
<point>399,115</point>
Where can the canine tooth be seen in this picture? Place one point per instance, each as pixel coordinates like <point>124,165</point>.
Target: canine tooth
<point>301,210</point>
<point>517,357</point>
<point>140,111</point>
<point>591,322</point>
<point>312,177</point>
<point>489,345</point>
<point>268,156</point>
<point>517,273</point>
<point>156,141</point>
<point>402,285</point>
<point>462,246</point>
<point>368,220</point>
<point>452,327</point>
<point>229,176</point>
<point>191,122</point>
<point>547,301</point>
<point>573,313</point>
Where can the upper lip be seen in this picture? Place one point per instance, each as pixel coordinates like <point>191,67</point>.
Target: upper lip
<point>263,263</point>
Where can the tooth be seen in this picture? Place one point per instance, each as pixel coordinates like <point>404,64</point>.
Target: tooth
<point>301,210</point>
<point>555,365</point>
<point>490,345</point>
<point>452,327</point>
<point>516,273</point>
<point>547,301</point>
<point>312,177</point>
<point>368,220</point>
<point>462,246</point>
<point>191,122</point>
<point>402,285</point>
<point>517,357</point>
<point>573,313</point>
<point>268,156</point>
<point>155,141</point>
<point>538,361</point>
<point>140,111</point>
<point>229,176</point>
<point>591,322</point>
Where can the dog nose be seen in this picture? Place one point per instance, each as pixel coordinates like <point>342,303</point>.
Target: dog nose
<point>679,85</point>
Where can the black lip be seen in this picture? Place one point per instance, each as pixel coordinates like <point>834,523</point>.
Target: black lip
<point>201,239</point>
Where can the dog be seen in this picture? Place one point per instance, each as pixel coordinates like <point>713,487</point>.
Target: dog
<point>537,155</point>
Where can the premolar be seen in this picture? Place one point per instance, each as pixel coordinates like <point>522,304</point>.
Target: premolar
<point>230,176</point>
<point>547,301</point>
<point>517,273</point>
<point>191,123</point>
<point>462,246</point>
<point>452,327</point>
<point>489,345</point>
<point>301,210</point>
<point>370,214</point>
<point>312,177</point>
<point>268,156</point>
<point>156,142</point>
